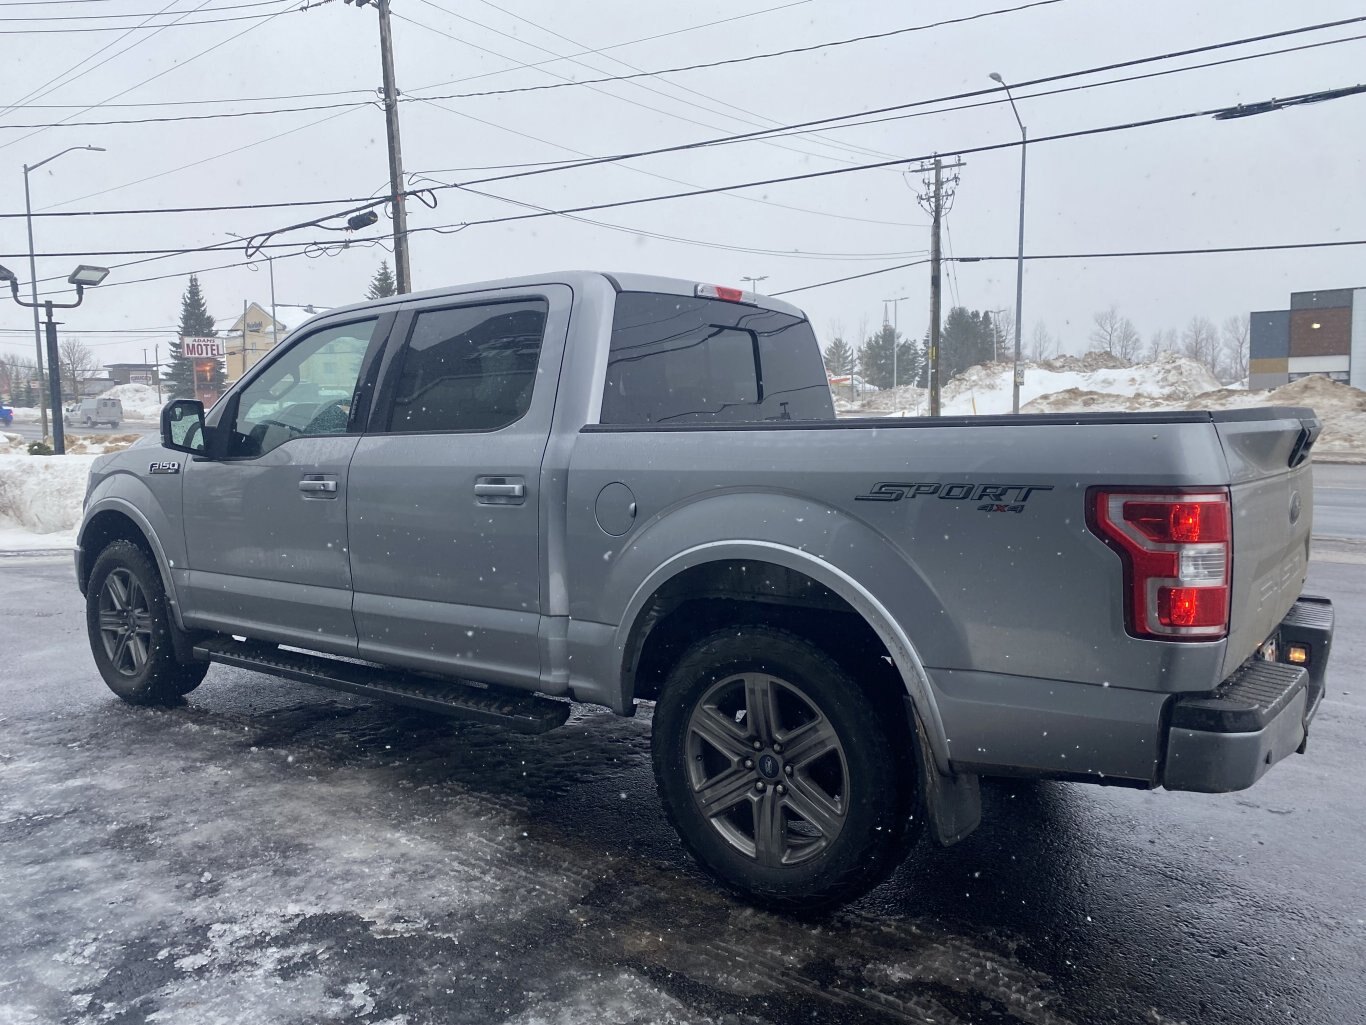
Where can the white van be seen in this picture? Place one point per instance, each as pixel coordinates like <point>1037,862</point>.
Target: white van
<point>100,411</point>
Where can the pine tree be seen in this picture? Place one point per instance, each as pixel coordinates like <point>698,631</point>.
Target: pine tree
<point>839,358</point>
<point>182,380</point>
<point>875,359</point>
<point>382,284</point>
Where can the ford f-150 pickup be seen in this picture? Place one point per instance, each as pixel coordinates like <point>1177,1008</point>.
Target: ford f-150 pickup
<point>490,499</point>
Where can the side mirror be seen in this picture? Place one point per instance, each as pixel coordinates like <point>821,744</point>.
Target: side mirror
<point>182,426</point>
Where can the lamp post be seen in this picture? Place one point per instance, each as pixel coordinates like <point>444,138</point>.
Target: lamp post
<point>1019,262</point>
<point>33,274</point>
<point>83,277</point>
<point>754,282</point>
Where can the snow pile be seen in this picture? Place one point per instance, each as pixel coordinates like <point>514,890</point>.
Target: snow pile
<point>41,495</point>
<point>140,401</point>
<point>1341,408</point>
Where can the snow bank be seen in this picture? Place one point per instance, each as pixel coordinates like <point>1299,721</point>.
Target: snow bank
<point>140,401</point>
<point>1341,408</point>
<point>1099,382</point>
<point>42,495</point>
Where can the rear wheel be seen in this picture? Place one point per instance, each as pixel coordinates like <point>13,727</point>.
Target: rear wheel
<point>128,622</point>
<point>779,772</point>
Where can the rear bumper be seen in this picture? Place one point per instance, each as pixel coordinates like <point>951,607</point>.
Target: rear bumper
<point>1228,739</point>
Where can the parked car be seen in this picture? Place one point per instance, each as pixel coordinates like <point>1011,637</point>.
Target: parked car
<point>6,415</point>
<point>618,488</point>
<point>100,411</point>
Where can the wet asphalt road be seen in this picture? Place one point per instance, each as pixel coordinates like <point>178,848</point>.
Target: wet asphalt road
<point>273,853</point>
<point>1340,500</point>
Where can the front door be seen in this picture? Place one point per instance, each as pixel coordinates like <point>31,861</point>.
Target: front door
<point>265,525</point>
<point>445,503</point>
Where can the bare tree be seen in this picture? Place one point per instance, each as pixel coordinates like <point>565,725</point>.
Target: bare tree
<point>1160,342</point>
<point>1042,345</point>
<point>1234,345</point>
<point>1105,328</point>
<point>1126,340</point>
<point>75,362</point>
<point>1200,342</point>
<point>1003,332</point>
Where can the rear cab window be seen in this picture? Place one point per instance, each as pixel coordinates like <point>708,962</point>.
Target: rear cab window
<point>678,359</point>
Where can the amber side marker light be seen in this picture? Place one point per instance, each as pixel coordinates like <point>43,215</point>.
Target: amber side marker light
<point>1297,654</point>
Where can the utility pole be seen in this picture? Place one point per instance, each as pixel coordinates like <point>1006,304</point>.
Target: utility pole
<point>936,200</point>
<point>403,281</point>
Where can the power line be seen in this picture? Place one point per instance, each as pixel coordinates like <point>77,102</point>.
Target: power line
<point>1205,251</point>
<point>783,179</point>
<point>779,131</point>
<point>829,172</point>
<point>726,247</point>
<point>151,78</point>
<point>135,28</point>
<point>1081,133</point>
<point>105,17</point>
<point>750,114</point>
<point>487,74</point>
<point>768,55</point>
<point>632,81</point>
<point>60,79</point>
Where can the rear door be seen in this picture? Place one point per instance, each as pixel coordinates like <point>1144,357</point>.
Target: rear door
<point>1272,495</point>
<point>445,491</point>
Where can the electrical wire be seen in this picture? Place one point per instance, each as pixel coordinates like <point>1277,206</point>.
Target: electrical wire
<point>722,246</point>
<point>1081,133</point>
<point>597,70</point>
<point>166,71</point>
<point>779,131</point>
<point>105,17</point>
<point>60,80</point>
<point>345,92</point>
<point>135,28</point>
<point>1205,251</point>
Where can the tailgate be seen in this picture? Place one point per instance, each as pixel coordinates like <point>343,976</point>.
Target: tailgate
<point>1271,488</point>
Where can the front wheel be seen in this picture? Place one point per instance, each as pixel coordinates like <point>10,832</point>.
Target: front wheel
<point>127,620</point>
<point>780,772</point>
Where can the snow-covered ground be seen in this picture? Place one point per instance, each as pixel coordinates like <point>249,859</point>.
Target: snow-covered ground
<point>139,403</point>
<point>40,497</point>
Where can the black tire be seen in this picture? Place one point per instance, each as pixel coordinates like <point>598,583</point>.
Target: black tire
<point>126,618</point>
<point>791,862</point>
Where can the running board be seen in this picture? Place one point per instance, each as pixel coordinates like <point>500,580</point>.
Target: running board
<point>525,713</point>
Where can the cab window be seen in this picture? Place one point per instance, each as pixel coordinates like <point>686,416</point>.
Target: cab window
<point>307,392</point>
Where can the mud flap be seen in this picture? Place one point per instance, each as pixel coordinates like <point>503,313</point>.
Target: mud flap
<point>953,802</point>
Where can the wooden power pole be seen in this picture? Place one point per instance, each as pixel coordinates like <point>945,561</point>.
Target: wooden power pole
<point>403,281</point>
<point>936,200</point>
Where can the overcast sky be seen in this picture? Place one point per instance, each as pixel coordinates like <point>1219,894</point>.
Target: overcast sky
<point>1289,176</point>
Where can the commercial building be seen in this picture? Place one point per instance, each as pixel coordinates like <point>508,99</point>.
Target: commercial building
<point>133,373</point>
<point>249,339</point>
<point>1322,333</point>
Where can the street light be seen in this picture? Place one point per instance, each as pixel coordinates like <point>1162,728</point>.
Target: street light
<point>1019,262</point>
<point>896,330</point>
<point>754,282</point>
<point>33,271</point>
<point>83,277</point>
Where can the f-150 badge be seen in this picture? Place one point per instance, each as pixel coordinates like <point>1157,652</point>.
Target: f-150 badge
<point>167,467</point>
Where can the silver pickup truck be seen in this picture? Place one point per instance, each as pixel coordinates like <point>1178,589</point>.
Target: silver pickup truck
<point>612,488</point>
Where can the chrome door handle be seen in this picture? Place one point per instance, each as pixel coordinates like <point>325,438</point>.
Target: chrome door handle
<point>500,490</point>
<point>313,485</point>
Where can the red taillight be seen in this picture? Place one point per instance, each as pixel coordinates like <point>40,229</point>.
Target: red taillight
<point>1176,552</point>
<point>1192,606</point>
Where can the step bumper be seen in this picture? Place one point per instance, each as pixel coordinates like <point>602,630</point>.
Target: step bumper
<point>1227,740</point>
